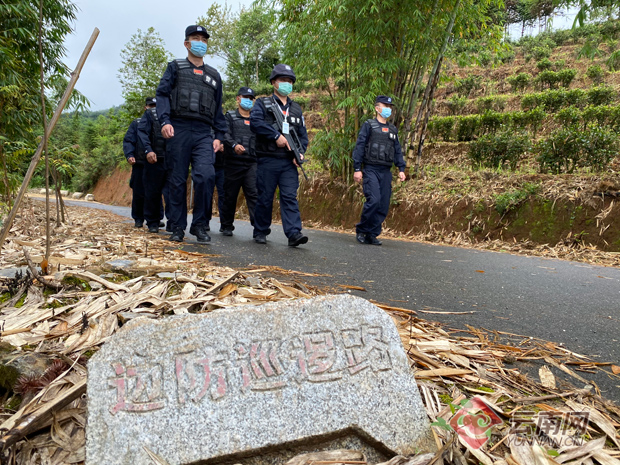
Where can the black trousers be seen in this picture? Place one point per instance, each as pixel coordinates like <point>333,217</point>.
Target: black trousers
<point>136,182</point>
<point>237,177</point>
<point>155,178</point>
<point>219,185</point>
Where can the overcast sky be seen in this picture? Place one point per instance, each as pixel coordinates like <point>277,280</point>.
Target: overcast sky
<point>117,21</point>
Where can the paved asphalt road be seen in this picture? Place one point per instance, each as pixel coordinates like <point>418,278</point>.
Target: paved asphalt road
<point>566,302</point>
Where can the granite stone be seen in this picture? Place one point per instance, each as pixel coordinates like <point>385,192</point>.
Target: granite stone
<point>255,384</point>
<point>89,197</point>
<point>77,195</point>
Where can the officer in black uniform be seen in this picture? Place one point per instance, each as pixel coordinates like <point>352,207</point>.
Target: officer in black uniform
<point>134,153</point>
<point>276,162</point>
<point>155,174</point>
<point>189,106</point>
<point>377,148</point>
<point>240,161</point>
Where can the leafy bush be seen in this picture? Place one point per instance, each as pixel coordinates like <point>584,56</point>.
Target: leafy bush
<point>493,102</point>
<point>544,64</point>
<point>441,127</point>
<point>571,147</point>
<point>456,104</point>
<point>576,97</point>
<point>601,95</point>
<point>570,116</point>
<point>520,82</point>
<point>596,73</point>
<point>491,121</point>
<point>548,78</point>
<point>534,118</point>
<point>553,100</point>
<point>510,200</point>
<point>506,56</point>
<point>559,64</point>
<point>467,128</point>
<point>467,85</point>
<point>613,62</point>
<point>530,101</point>
<point>538,53</point>
<point>485,58</point>
<point>566,76</point>
<point>496,150</point>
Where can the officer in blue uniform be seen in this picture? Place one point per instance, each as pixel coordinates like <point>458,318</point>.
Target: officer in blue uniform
<point>277,167</point>
<point>377,149</point>
<point>240,161</point>
<point>134,153</point>
<point>155,174</point>
<point>189,106</point>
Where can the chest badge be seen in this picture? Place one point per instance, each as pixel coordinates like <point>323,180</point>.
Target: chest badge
<point>246,122</point>
<point>198,71</point>
<point>385,129</point>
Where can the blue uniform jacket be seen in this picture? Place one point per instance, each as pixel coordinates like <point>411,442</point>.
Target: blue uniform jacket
<point>360,149</point>
<point>259,126</point>
<point>131,143</point>
<point>144,132</point>
<point>163,100</point>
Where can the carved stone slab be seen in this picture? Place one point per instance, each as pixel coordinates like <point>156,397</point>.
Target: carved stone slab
<point>258,381</point>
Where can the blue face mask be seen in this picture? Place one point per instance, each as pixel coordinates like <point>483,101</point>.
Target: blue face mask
<point>285,88</point>
<point>198,48</point>
<point>386,112</point>
<point>246,103</point>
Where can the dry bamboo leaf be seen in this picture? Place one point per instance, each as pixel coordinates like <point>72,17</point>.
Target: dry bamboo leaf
<point>227,290</point>
<point>597,418</point>
<point>156,458</point>
<point>581,452</point>
<point>546,377</point>
<point>441,372</point>
<point>188,291</point>
<point>603,457</point>
<point>615,369</point>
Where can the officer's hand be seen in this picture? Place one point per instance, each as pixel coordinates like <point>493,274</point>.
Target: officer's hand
<point>401,176</point>
<point>282,142</point>
<point>239,149</point>
<point>151,157</point>
<point>301,155</point>
<point>167,131</point>
<point>217,145</point>
<point>131,160</point>
<point>357,176</point>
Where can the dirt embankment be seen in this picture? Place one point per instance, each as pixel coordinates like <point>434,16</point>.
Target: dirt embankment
<point>114,189</point>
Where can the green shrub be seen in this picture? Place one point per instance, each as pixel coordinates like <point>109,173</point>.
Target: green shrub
<point>613,61</point>
<point>571,147</point>
<point>491,121</point>
<point>559,64</point>
<point>485,58</point>
<point>506,56</point>
<point>456,104</point>
<point>538,53</point>
<point>510,200</point>
<point>595,115</point>
<point>601,95</point>
<point>570,116</point>
<point>576,97</point>
<point>441,127</point>
<point>530,101</point>
<point>534,119</point>
<point>548,78</point>
<point>520,82</point>
<point>467,128</point>
<point>467,85</point>
<point>596,73</point>
<point>496,150</point>
<point>544,64</point>
<point>566,77</point>
<point>493,102</point>
<point>553,100</point>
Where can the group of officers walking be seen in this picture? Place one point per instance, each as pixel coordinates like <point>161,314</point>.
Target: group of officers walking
<point>247,149</point>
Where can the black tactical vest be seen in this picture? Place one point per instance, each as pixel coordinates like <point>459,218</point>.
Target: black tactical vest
<point>194,92</point>
<point>380,145</point>
<point>158,143</point>
<point>268,147</point>
<point>240,131</point>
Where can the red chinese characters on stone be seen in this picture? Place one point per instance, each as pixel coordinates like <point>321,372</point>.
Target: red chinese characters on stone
<point>364,348</point>
<point>138,388</point>
<point>198,376</point>
<point>261,368</point>
<point>317,356</point>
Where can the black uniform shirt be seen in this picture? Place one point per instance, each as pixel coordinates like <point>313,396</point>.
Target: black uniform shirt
<point>144,131</point>
<point>362,141</point>
<point>262,128</point>
<point>163,99</point>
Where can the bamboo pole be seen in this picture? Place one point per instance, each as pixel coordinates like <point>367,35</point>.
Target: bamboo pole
<point>37,155</point>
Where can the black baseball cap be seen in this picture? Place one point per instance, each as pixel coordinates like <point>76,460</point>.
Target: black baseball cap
<point>282,70</point>
<point>195,29</point>
<point>384,99</point>
<point>246,92</point>
<point>150,101</point>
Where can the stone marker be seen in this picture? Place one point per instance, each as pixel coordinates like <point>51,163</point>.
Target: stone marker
<point>64,193</point>
<point>77,195</point>
<point>89,197</point>
<point>255,385</point>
